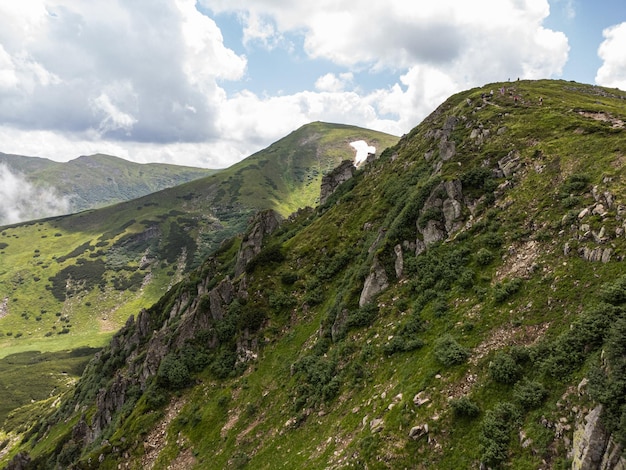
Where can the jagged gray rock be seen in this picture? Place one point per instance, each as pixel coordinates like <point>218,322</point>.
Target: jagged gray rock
<point>263,223</point>
<point>446,197</point>
<point>590,442</point>
<point>108,401</point>
<point>418,432</point>
<point>399,264</point>
<point>510,164</point>
<point>375,282</point>
<point>19,462</point>
<point>332,180</point>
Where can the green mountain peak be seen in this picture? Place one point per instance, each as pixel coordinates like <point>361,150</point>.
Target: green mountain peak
<point>459,302</point>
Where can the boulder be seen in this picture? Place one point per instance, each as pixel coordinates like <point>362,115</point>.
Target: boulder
<point>418,432</point>
<point>332,180</point>
<point>399,264</point>
<point>375,282</point>
<point>263,223</point>
<point>510,164</point>
<point>376,425</point>
<point>590,442</point>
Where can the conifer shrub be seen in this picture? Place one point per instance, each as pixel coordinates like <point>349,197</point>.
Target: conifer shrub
<point>270,254</point>
<point>449,352</point>
<point>223,364</point>
<point>464,407</point>
<point>173,373</point>
<point>496,431</point>
<point>484,257</point>
<point>399,344</point>
<point>503,290</point>
<point>574,184</point>
<point>363,316</point>
<point>504,369</point>
<point>529,394</point>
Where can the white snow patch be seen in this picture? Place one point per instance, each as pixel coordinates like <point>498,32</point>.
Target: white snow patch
<point>363,149</point>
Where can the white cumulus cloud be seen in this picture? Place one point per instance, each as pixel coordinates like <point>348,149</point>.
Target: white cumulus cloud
<point>145,79</point>
<point>334,82</point>
<point>612,51</point>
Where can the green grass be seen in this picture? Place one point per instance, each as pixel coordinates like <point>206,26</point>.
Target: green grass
<point>58,276</point>
<point>502,286</point>
<point>32,376</point>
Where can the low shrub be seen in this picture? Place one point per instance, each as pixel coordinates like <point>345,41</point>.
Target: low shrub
<point>449,352</point>
<point>504,369</point>
<point>484,257</point>
<point>495,433</point>
<point>503,290</point>
<point>464,407</point>
<point>529,394</point>
<point>173,373</point>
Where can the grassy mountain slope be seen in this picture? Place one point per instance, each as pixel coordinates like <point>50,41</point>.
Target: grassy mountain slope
<point>439,311</point>
<point>25,165</point>
<point>100,180</point>
<point>68,282</point>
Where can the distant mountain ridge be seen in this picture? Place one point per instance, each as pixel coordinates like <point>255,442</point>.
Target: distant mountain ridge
<point>71,281</point>
<point>99,180</point>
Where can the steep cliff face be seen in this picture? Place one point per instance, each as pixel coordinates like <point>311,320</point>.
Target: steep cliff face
<point>336,177</point>
<point>140,348</point>
<point>439,314</point>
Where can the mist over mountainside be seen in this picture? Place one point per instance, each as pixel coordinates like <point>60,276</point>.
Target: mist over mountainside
<point>457,302</point>
<point>34,188</point>
<point>22,200</point>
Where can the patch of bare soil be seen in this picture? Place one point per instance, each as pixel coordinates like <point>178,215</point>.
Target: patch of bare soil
<point>184,461</point>
<point>157,439</point>
<point>504,336</point>
<point>604,117</point>
<point>4,307</point>
<point>508,335</point>
<point>520,260</point>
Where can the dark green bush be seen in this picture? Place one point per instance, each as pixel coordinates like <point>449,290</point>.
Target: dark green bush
<point>223,364</point>
<point>575,184</point>
<point>585,335</point>
<point>529,394</point>
<point>476,178</point>
<point>281,300</point>
<point>288,278</point>
<point>173,373</point>
<point>432,213</point>
<point>503,290</point>
<point>272,253</point>
<point>464,407</point>
<point>363,316</point>
<point>317,379</point>
<point>504,369</point>
<point>607,382</point>
<point>484,257</point>
<point>495,433</point>
<point>449,352</point>
<point>402,344</point>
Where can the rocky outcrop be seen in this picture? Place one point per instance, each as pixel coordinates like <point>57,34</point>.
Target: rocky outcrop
<point>593,447</point>
<point>332,180</point>
<point>508,165</point>
<point>21,461</point>
<point>399,264</point>
<point>375,282</point>
<point>263,223</point>
<point>442,214</point>
<point>108,402</point>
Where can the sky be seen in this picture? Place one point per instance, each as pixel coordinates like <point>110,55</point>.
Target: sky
<point>209,82</point>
